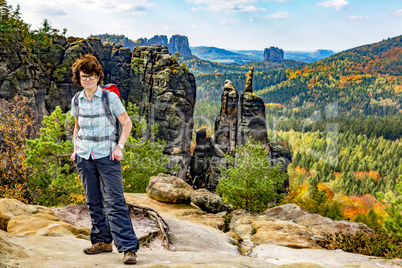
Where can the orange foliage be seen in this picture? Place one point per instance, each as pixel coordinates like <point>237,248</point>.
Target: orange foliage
<point>355,205</point>
<point>337,174</point>
<point>192,146</point>
<point>328,192</point>
<point>360,175</point>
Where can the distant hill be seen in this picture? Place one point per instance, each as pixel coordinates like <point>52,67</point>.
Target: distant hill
<point>244,56</point>
<point>308,57</point>
<point>222,55</point>
<point>365,80</point>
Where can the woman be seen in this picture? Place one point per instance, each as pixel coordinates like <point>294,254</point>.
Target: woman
<point>98,161</point>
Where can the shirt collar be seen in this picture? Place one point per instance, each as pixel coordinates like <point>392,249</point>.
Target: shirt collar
<point>98,93</point>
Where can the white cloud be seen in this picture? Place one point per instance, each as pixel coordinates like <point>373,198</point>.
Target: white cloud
<point>397,13</point>
<point>226,5</point>
<point>226,21</point>
<point>137,7</point>
<point>336,4</point>
<point>60,7</point>
<point>358,18</point>
<point>278,15</point>
<point>50,11</point>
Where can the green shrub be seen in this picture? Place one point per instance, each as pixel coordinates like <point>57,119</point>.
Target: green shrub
<point>53,179</point>
<point>376,244</point>
<point>143,158</point>
<point>249,182</point>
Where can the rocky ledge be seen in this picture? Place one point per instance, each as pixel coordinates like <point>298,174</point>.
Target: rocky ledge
<point>32,236</point>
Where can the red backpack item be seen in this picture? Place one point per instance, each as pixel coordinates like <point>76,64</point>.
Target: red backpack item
<point>112,88</point>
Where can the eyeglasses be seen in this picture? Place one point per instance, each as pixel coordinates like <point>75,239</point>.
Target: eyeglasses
<point>85,77</point>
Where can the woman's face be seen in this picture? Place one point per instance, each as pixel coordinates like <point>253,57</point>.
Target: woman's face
<point>89,81</point>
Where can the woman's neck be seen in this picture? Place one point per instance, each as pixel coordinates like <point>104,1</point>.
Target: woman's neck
<point>90,92</point>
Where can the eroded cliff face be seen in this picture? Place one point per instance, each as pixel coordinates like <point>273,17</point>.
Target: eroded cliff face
<point>148,76</point>
<point>166,94</point>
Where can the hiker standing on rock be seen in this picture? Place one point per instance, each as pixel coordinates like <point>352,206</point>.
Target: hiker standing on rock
<point>97,153</point>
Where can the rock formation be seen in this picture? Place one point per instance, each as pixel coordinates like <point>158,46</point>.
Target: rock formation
<point>177,43</point>
<point>225,133</point>
<point>270,239</point>
<point>200,159</point>
<point>273,54</point>
<point>252,121</point>
<point>148,76</point>
<point>165,93</point>
<point>238,121</point>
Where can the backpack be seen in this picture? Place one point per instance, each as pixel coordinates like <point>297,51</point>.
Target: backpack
<point>115,136</point>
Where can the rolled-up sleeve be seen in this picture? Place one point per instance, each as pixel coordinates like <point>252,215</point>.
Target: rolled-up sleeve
<point>116,106</point>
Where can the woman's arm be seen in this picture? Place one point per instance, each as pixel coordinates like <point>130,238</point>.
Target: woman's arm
<point>127,126</point>
<point>76,127</point>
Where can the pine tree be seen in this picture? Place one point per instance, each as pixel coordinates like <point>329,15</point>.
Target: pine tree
<point>249,182</point>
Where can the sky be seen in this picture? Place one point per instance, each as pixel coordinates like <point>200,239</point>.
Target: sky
<point>292,25</point>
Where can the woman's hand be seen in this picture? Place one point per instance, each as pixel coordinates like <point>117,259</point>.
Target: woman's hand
<point>117,153</point>
<point>73,156</point>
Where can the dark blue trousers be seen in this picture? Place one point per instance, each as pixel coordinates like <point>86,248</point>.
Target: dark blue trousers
<point>103,185</point>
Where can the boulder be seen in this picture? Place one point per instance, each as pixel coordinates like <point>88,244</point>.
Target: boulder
<point>10,208</point>
<point>169,189</point>
<point>208,201</point>
<point>259,229</point>
<point>315,222</point>
<point>282,233</point>
<point>44,225</point>
<point>187,236</point>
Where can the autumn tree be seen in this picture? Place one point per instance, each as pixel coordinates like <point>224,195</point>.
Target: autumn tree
<point>17,123</point>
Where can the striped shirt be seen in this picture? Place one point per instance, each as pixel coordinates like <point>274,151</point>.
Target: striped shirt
<point>95,126</point>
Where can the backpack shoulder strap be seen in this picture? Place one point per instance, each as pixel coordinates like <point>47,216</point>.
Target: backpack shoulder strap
<point>76,103</point>
<point>106,107</point>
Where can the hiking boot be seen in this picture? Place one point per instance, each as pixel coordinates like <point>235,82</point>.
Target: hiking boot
<point>129,257</point>
<point>98,248</point>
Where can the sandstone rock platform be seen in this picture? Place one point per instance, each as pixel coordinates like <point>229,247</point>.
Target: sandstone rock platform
<point>196,241</point>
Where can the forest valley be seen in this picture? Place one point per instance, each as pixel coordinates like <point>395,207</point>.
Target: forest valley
<point>338,119</point>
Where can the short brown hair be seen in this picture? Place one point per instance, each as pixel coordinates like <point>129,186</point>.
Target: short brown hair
<point>88,64</point>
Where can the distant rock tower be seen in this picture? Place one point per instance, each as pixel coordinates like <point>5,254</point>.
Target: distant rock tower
<point>273,54</point>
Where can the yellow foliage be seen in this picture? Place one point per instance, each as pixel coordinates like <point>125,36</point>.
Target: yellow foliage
<point>16,124</point>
